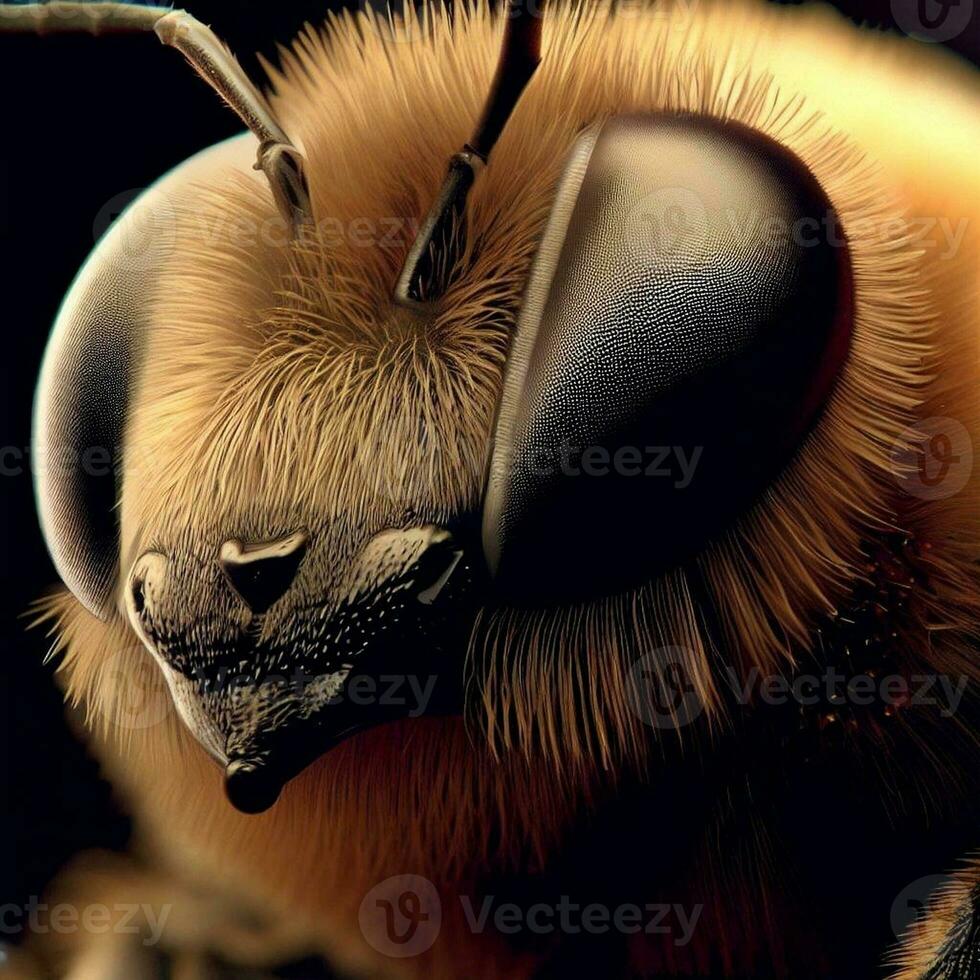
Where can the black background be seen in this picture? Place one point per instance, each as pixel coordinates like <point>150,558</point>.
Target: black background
<point>84,121</point>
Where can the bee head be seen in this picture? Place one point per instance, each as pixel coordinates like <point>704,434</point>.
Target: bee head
<point>562,419</point>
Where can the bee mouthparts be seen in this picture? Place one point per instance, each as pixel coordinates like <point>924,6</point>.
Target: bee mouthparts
<point>251,786</point>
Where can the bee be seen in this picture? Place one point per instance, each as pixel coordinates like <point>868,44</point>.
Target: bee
<point>475,516</point>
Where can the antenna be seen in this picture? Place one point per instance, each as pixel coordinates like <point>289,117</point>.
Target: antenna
<point>436,250</point>
<point>277,157</point>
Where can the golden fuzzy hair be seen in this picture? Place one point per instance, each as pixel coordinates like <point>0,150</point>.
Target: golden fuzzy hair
<point>281,383</point>
<point>945,924</point>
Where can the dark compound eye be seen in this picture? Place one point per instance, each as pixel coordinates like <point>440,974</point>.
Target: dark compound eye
<point>686,320</point>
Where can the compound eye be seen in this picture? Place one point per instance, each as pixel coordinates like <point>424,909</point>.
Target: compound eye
<point>80,415</point>
<point>686,320</point>
<point>82,406</point>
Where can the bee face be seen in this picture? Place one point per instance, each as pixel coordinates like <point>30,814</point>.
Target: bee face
<point>281,404</point>
<point>341,550</point>
<point>296,479</point>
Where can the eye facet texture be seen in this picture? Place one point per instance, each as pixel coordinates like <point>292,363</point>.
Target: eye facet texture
<point>686,319</point>
<point>80,414</point>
